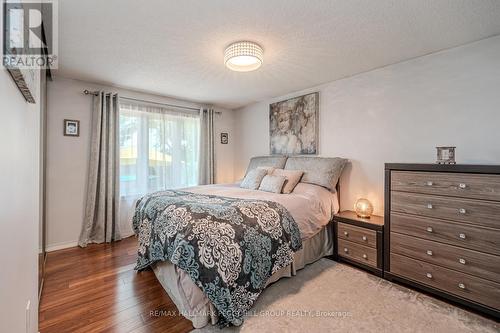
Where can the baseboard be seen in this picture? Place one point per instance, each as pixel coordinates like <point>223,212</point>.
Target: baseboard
<point>61,246</point>
<point>67,245</point>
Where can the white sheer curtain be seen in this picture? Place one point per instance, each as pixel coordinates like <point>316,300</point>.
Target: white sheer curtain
<point>159,150</point>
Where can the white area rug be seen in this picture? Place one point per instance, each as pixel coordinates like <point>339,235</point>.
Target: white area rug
<point>331,297</point>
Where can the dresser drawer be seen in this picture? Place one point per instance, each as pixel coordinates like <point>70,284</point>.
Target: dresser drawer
<point>474,186</point>
<point>460,284</point>
<point>485,213</point>
<point>471,237</point>
<point>472,262</point>
<point>360,253</point>
<point>357,235</point>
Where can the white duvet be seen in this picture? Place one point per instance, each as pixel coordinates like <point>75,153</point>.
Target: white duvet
<point>311,206</point>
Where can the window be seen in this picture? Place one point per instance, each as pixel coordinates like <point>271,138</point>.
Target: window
<point>159,149</point>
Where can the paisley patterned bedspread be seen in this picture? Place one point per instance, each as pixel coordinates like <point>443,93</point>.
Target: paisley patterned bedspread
<point>229,247</point>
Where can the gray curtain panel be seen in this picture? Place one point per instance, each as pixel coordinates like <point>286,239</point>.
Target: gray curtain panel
<point>101,212</point>
<point>207,148</point>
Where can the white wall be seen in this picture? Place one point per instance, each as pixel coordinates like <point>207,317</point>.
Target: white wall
<point>19,205</point>
<point>397,114</point>
<point>68,157</point>
<point>394,114</point>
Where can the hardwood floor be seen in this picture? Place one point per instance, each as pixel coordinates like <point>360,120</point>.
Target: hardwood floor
<point>97,290</point>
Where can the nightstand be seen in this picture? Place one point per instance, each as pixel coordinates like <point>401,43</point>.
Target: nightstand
<point>359,241</point>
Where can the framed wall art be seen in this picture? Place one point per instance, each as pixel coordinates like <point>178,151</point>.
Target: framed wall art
<point>71,127</point>
<point>224,138</point>
<point>293,125</point>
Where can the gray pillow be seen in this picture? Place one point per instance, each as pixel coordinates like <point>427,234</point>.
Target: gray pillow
<point>277,162</point>
<point>253,178</point>
<point>292,178</point>
<point>322,171</point>
<point>272,183</point>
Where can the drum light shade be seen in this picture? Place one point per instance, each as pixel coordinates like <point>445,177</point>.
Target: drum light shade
<point>243,56</point>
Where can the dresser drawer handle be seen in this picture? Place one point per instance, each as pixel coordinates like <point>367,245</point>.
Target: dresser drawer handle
<point>462,236</point>
<point>462,186</point>
<point>365,256</point>
<point>346,250</point>
<point>429,229</point>
<point>429,183</point>
<point>346,233</point>
<point>429,206</point>
<point>462,261</point>
<point>462,211</point>
<point>429,275</point>
<point>461,286</point>
<point>429,252</point>
<point>364,238</point>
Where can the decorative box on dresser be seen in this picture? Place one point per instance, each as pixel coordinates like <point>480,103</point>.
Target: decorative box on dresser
<point>359,241</point>
<point>442,231</point>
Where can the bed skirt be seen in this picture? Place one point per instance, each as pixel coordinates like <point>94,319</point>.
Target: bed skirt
<point>195,306</point>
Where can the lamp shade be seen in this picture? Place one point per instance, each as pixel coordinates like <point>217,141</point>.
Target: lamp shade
<point>363,208</point>
<point>243,56</point>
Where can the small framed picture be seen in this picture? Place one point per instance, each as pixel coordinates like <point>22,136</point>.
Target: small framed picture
<point>445,155</point>
<point>224,138</point>
<point>71,127</point>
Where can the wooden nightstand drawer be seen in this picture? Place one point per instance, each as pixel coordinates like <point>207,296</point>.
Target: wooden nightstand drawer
<point>359,241</point>
<point>460,284</point>
<point>484,213</point>
<point>357,235</point>
<point>462,185</point>
<point>360,253</point>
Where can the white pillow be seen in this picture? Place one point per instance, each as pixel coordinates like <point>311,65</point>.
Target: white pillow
<point>272,183</point>
<point>292,178</point>
<point>253,178</point>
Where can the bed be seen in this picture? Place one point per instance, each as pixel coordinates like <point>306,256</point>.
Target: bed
<point>311,206</point>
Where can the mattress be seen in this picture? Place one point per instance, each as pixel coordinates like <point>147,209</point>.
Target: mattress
<point>311,206</point>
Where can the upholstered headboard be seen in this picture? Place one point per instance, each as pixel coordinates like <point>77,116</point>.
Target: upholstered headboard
<point>322,171</point>
<point>277,162</point>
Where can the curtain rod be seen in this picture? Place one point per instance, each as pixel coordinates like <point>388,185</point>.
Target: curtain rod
<point>95,93</point>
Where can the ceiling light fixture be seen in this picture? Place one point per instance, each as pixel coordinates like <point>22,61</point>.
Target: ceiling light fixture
<point>243,56</point>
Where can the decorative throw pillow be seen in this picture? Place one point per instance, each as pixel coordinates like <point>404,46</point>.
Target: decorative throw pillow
<point>269,169</point>
<point>322,171</point>
<point>272,183</point>
<point>253,178</point>
<point>292,178</point>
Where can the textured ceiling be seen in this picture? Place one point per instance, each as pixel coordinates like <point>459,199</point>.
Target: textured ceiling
<point>175,48</point>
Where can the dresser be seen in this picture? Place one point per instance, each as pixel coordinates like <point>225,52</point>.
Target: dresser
<point>442,231</point>
<point>358,241</point>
